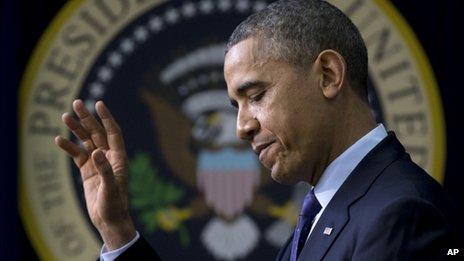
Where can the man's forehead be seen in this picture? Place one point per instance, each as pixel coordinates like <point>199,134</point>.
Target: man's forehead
<point>248,52</point>
<point>243,63</point>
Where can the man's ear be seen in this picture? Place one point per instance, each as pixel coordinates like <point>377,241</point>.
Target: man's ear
<point>333,72</point>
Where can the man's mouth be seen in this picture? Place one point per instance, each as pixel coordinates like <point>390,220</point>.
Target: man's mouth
<point>260,149</point>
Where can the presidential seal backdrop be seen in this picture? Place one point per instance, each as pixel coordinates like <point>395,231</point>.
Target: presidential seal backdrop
<point>195,190</point>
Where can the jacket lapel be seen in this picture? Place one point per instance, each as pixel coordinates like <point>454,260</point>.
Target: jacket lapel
<point>284,253</point>
<point>335,216</point>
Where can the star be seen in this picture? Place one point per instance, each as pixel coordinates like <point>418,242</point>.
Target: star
<point>188,10</point>
<point>96,89</point>
<point>206,6</point>
<point>105,74</point>
<point>155,24</point>
<point>172,16</point>
<point>115,59</point>
<point>141,34</point>
<point>243,6</point>
<point>224,5</point>
<point>127,45</point>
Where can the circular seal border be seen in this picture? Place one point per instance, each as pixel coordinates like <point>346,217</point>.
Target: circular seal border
<point>31,70</point>
<point>430,83</point>
<point>431,88</point>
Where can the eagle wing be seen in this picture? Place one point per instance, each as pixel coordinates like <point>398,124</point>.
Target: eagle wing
<point>173,133</point>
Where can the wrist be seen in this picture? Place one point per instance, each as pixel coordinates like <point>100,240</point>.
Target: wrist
<point>115,236</point>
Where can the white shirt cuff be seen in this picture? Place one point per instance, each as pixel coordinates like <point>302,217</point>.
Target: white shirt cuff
<point>106,255</point>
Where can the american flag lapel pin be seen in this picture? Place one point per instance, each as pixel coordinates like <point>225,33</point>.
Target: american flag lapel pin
<point>327,231</point>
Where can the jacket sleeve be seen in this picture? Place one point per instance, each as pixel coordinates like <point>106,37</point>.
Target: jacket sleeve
<point>406,229</point>
<point>140,250</point>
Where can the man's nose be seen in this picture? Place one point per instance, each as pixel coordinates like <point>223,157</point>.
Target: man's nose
<point>247,126</point>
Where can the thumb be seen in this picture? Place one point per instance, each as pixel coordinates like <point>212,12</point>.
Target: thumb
<point>103,167</point>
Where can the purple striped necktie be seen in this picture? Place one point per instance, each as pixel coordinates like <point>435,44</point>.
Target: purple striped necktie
<point>309,210</point>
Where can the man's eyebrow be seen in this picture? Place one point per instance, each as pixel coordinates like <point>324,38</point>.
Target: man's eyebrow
<point>248,85</point>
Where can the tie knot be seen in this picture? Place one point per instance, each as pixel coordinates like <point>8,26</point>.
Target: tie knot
<point>311,205</point>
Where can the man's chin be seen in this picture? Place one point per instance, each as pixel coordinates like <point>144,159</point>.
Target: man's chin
<point>279,175</point>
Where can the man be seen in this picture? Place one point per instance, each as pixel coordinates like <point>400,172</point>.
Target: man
<point>297,72</point>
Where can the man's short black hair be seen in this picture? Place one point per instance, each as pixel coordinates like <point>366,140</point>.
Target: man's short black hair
<point>296,31</point>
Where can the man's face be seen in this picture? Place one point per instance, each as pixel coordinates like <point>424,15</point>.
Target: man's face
<point>280,111</point>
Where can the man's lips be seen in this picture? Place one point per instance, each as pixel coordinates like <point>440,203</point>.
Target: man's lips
<point>260,147</point>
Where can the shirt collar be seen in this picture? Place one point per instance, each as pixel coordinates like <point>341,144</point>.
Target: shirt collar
<point>339,169</point>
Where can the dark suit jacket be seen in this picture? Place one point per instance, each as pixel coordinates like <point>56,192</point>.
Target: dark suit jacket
<point>387,209</point>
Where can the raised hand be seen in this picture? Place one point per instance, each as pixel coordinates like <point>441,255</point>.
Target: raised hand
<point>103,166</point>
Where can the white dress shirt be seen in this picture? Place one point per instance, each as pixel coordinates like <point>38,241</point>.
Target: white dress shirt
<point>331,180</point>
<point>106,255</point>
<point>339,169</point>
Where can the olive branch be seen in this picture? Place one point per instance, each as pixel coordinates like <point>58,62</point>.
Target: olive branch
<point>150,195</point>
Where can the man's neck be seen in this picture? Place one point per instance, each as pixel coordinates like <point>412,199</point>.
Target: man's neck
<point>355,124</point>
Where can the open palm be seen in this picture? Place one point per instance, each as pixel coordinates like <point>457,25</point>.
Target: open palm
<point>102,162</point>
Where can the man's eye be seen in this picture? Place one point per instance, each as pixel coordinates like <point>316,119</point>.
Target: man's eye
<point>256,97</point>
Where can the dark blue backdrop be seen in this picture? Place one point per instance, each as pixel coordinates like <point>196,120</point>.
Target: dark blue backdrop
<point>436,23</point>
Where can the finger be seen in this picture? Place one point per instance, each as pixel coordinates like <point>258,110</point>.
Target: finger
<point>76,128</point>
<point>90,124</point>
<point>104,168</point>
<point>113,131</point>
<point>79,156</point>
